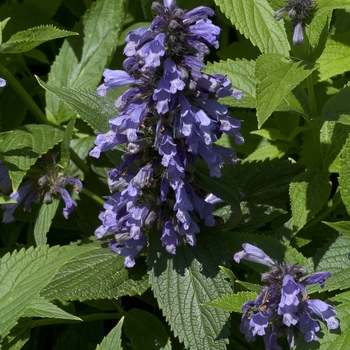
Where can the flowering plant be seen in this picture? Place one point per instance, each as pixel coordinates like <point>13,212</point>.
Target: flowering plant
<point>143,143</point>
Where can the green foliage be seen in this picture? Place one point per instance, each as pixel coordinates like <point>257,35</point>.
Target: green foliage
<point>233,302</point>
<point>113,339</point>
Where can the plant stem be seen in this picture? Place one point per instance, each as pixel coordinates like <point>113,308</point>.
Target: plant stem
<point>79,162</point>
<point>312,99</point>
<point>93,196</point>
<point>23,94</point>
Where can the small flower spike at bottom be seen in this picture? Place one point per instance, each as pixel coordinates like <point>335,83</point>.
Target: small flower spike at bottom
<point>283,307</point>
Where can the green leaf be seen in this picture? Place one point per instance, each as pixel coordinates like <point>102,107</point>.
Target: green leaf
<point>65,154</point>
<point>113,339</point>
<point>233,302</point>
<point>5,199</point>
<point>337,108</point>
<point>325,5</point>
<point>341,226</point>
<point>250,286</point>
<point>87,54</point>
<point>276,77</point>
<point>145,330</point>
<point>241,75</point>
<point>2,26</point>
<point>40,307</point>
<point>183,282</point>
<point>334,258</point>
<point>24,274</point>
<point>22,147</point>
<point>44,220</point>
<point>99,274</point>
<point>309,191</point>
<point>344,175</point>
<point>18,336</point>
<point>255,20</point>
<point>93,109</point>
<point>335,58</point>
<point>26,40</point>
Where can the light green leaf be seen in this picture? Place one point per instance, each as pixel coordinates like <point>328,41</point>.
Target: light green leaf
<point>22,147</point>
<point>276,77</point>
<point>113,339</point>
<point>296,101</point>
<point>309,191</point>
<point>337,108</point>
<point>334,258</point>
<point>99,274</point>
<point>232,302</point>
<point>87,54</point>
<point>93,109</point>
<point>273,151</point>
<point>183,282</point>
<point>44,220</point>
<point>341,226</point>
<point>241,75</point>
<point>65,154</point>
<point>255,20</point>
<point>40,307</point>
<point>250,286</point>
<point>5,199</point>
<point>335,58</point>
<point>18,336</point>
<point>344,175</point>
<point>271,134</point>
<point>325,5</point>
<point>145,330</point>
<point>24,274</point>
<point>2,26</point>
<point>28,39</point>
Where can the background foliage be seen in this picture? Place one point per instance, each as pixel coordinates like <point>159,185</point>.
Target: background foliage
<point>289,194</point>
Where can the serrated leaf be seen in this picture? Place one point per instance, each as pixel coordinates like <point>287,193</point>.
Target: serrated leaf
<point>309,191</point>
<point>145,330</point>
<point>183,282</point>
<point>22,147</point>
<point>255,20</point>
<point>18,336</point>
<point>113,339</point>
<point>87,54</point>
<point>335,58</point>
<point>342,226</point>
<point>24,274</point>
<point>40,307</point>
<point>344,175</point>
<point>250,286</point>
<point>233,302</point>
<point>276,77</point>
<point>2,26</point>
<point>28,39</point>
<point>241,75</point>
<point>65,154</point>
<point>99,274</point>
<point>93,109</point>
<point>44,220</point>
<point>334,258</point>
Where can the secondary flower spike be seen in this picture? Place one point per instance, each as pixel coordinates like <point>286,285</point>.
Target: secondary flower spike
<point>283,307</point>
<point>298,11</point>
<point>42,182</point>
<point>168,118</point>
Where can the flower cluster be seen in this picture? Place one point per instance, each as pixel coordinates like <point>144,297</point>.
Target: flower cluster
<point>298,11</point>
<point>167,118</point>
<point>42,181</point>
<point>283,306</point>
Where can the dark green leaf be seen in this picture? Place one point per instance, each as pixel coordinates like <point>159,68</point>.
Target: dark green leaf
<point>65,156</point>
<point>113,339</point>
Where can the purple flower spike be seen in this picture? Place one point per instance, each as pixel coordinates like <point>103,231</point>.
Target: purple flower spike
<point>283,307</point>
<point>254,254</point>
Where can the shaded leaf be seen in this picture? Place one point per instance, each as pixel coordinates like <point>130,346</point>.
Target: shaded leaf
<point>113,339</point>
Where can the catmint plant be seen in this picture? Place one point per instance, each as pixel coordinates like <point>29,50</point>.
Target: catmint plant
<point>283,307</point>
<point>168,118</point>
<point>298,11</point>
<point>42,182</point>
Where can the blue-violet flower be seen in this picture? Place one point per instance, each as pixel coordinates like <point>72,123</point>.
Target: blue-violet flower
<point>298,11</point>
<point>2,82</point>
<point>283,307</point>
<point>42,182</point>
<point>168,118</point>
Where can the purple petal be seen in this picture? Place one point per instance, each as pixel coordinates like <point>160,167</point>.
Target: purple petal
<point>254,254</point>
<point>2,82</point>
<point>324,311</point>
<point>318,277</point>
<point>70,203</point>
<point>298,36</point>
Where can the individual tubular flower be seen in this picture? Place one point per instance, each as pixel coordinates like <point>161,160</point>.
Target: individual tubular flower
<point>298,11</point>
<point>42,182</point>
<point>283,306</point>
<point>168,118</point>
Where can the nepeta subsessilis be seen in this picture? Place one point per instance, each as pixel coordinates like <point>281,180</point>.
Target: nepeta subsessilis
<point>42,182</point>
<point>283,307</point>
<point>168,118</point>
<point>298,11</point>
